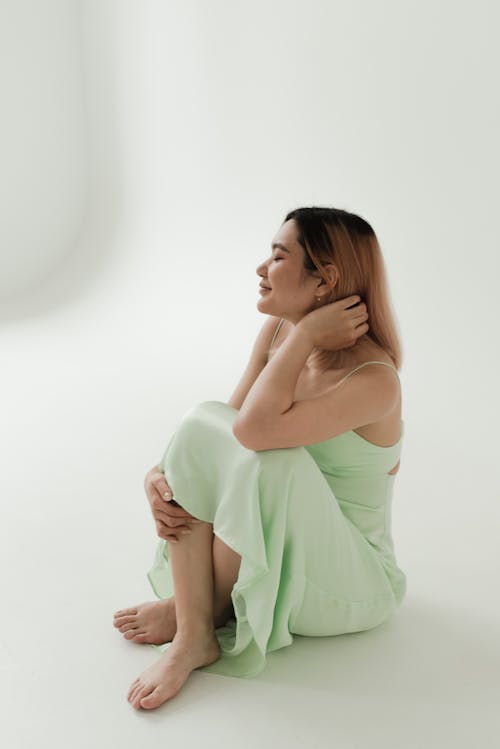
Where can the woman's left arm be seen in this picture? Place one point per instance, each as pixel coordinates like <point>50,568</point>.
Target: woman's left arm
<point>333,326</point>
<point>272,392</point>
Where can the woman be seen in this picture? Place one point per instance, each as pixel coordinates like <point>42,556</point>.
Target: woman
<point>262,542</point>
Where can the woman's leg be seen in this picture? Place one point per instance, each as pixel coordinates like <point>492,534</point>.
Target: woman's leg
<point>225,568</point>
<point>195,644</point>
<point>226,564</point>
<point>193,575</point>
<point>216,579</point>
<point>155,621</point>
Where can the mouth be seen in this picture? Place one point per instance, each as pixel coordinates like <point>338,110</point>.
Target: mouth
<point>264,288</point>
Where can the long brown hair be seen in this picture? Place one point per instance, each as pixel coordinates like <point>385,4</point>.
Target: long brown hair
<point>332,235</point>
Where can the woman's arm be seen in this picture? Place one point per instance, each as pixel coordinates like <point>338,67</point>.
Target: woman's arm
<point>271,394</point>
<point>257,361</point>
<point>333,326</point>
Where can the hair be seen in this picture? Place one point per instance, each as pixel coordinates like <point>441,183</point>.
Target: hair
<point>332,235</point>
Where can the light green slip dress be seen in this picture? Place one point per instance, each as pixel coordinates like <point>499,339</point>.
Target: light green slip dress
<point>312,525</point>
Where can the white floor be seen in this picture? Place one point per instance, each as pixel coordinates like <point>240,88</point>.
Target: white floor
<point>82,422</point>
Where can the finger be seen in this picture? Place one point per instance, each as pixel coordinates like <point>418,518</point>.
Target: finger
<point>359,317</point>
<point>154,490</point>
<point>361,329</point>
<point>171,537</point>
<point>160,484</point>
<point>163,487</point>
<point>173,507</point>
<point>165,533</point>
<point>350,301</point>
<point>166,536</point>
<point>178,522</point>
<point>174,510</point>
<point>170,522</point>
<point>165,491</point>
<point>168,527</point>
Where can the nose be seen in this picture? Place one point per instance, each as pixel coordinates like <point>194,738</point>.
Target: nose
<point>261,269</point>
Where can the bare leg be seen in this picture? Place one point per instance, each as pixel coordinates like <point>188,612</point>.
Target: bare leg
<point>226,568</point>
<point>155,621</point>
<point>195,644</point>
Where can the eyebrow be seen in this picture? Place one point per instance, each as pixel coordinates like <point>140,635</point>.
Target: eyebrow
<point>280,246</point>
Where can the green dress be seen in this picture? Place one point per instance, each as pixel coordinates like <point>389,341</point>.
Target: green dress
<point>312,525</point>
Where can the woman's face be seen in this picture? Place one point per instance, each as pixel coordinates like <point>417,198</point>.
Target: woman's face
<point>293,290</point>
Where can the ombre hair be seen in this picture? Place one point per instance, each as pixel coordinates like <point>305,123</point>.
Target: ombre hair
<point>332,235</point>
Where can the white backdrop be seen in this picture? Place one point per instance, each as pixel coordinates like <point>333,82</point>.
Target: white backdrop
<point>150,151</point>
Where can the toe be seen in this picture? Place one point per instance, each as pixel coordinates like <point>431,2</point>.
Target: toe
<point>130,633</point>
<point>123,626</point>
<point>140,693</point>
<point>152,700</point>
<point>133,688</point>
<point>140,637</point>
<point>125,612</point>
<point>125,618</point>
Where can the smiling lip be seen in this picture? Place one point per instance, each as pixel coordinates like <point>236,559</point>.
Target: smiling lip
<point>264,287</point>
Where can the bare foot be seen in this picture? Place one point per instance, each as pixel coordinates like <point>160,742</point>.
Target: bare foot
<point>152,622</point>
<point>164,678</point>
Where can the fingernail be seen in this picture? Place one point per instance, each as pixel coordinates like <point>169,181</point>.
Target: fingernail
<point>186,531</point>
<point>196,521</point>
<point>167,496</point>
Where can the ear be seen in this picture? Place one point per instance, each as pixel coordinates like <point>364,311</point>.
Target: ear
<point>333,275</point>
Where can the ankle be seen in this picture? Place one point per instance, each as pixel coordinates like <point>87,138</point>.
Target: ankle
<point>195,630</point>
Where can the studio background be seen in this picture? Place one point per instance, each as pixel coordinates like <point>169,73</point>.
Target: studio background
<point>150,151</point>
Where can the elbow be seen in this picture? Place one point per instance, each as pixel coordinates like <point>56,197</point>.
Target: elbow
<point>245,435</point>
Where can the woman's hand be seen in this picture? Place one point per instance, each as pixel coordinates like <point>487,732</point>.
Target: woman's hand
<point>170,518</point>
<point>334,326</point>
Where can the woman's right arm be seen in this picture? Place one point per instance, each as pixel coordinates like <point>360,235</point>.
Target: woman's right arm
<point>256,363</point>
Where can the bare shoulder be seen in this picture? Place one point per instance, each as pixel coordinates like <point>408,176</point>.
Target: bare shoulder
<point>384,384</point>
<point>257,361</point>
<point>262,341</point>
<point>265,335</point>
<point>367,368</point>
<point>284,330</point>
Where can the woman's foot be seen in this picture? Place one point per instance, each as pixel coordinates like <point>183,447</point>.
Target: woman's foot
<point>153,622</point>
<point>162,680</point>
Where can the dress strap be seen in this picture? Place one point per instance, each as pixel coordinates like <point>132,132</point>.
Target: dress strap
<point>276,332</point>
<point>364,365</point>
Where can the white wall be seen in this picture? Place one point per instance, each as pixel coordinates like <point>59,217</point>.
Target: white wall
<point>42,140</point>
